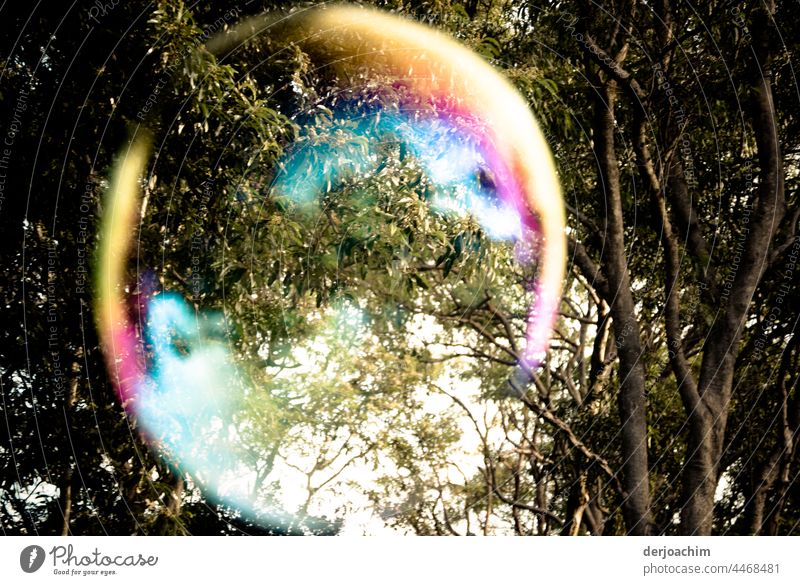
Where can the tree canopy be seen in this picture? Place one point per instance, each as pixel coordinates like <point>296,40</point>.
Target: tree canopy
<point>375,332</point>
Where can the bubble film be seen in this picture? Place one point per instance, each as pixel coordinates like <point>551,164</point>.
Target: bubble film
<point>426,107</point>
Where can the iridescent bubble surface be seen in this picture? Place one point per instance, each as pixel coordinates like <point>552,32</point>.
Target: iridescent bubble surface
<point>454,123</point>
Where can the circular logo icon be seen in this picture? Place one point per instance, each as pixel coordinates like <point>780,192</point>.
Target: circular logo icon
<point>31,558</point>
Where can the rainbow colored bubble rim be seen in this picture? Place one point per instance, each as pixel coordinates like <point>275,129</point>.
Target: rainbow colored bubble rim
<point>472,135</point>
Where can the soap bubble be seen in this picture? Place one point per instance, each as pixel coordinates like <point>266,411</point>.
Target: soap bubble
<point>254,376</point>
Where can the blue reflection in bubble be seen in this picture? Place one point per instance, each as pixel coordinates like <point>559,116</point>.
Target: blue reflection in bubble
<point>192,393</point>
<point>451,158</point>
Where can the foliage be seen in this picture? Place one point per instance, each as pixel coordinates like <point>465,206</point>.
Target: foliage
<point>377,336</point>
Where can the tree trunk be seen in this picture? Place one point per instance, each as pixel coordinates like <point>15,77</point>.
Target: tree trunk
<point>68,482</point>
<point>636,505</point>
<point>709,420</point>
